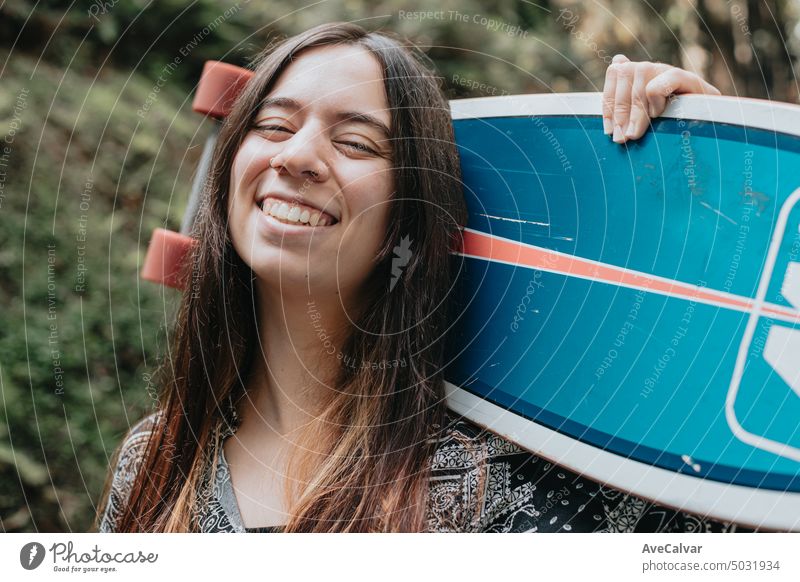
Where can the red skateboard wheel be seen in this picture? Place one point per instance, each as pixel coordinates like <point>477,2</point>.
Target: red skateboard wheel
<point>219,86</point>
<point>167,253</point>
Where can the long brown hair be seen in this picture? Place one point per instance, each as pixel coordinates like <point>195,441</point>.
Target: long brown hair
<point>380,418</point>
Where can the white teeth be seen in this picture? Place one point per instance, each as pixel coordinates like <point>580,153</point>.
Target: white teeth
<point>295,214</point>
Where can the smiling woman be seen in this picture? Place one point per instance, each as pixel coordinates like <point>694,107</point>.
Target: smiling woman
<point>353,125</point>
<point>283,404</point>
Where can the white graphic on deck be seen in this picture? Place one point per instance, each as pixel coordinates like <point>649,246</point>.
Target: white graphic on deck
<point>783,343</point>
<point>782,349</point>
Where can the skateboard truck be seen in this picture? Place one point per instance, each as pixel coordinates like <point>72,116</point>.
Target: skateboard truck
<point>219,86</point>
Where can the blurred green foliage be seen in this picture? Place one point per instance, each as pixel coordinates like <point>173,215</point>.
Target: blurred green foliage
<point>94,155</point>
<point>85,181</point>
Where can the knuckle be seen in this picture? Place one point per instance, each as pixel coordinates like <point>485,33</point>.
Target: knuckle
<point>622,109</point>
<point>661,85</point>
<point>652,88</point>
<point>638,101</point>
<point>626,69</point>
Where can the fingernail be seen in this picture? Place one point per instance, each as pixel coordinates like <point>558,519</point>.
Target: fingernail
<point>630,130</point>
<point>618,134</point>
<point>606,126</point>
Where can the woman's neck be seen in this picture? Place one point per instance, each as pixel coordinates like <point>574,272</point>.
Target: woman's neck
<point>295,366</point>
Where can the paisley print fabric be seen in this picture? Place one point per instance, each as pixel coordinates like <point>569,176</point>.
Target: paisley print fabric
<point>479,482</point>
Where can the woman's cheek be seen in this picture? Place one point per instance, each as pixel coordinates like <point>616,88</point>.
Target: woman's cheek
<point>237,180</point>
<point>250,160</point>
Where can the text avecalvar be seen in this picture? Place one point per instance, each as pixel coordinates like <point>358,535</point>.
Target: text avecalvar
<point>671,549</point>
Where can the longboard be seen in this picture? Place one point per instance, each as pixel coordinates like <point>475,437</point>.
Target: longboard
<point>631,312</point>
<point>627,311</point>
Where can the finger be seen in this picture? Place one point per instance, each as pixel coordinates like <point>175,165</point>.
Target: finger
<point>658,91</point>
<point>687,82</point>
<point>609,89</point>
<point>710,89</point>
<point>674,81</point>
<point>639,117</point>
<point>622,100</point>
<point>609,92</point>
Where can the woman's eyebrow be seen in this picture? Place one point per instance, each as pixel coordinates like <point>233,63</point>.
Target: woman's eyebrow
<point>341,116</point>
<point>282,102</point>
<point>366,119</point>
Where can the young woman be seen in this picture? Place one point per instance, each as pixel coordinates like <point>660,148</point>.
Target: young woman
<point>304,393</point>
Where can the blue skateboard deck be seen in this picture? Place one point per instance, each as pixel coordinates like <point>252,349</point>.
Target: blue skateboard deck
<point>632,312</point>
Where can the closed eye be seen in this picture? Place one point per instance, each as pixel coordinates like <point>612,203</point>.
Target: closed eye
<point>354,146</point>
<point>272,128</point>
<point>357,147</point>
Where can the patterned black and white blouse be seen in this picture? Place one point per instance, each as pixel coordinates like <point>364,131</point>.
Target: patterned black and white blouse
<point>522,492</point>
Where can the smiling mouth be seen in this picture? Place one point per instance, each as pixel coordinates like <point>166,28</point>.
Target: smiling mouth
<point>296,214</point>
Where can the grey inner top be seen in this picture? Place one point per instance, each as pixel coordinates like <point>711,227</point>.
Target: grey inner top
<point>228,500</point>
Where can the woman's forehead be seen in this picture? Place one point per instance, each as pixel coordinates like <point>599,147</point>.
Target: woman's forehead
<point>335,79</point>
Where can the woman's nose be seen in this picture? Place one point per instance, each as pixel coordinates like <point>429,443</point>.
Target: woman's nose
<point>302,156</point>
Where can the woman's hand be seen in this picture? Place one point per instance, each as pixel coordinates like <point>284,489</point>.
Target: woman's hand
<point>635,92</point>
